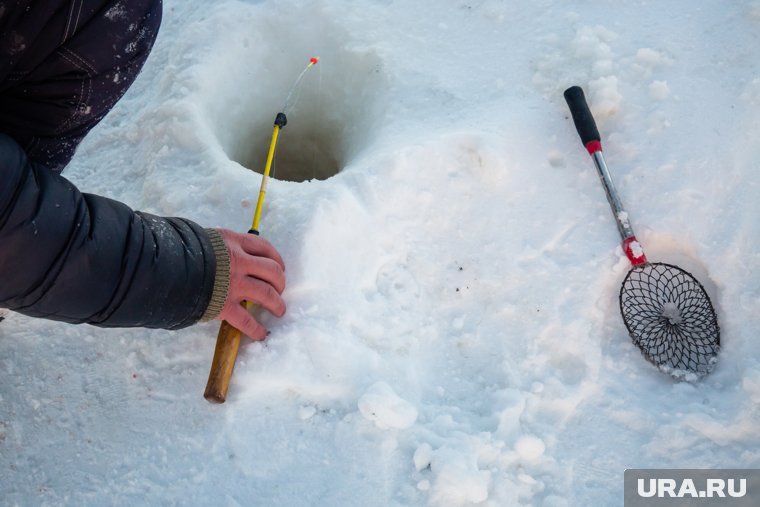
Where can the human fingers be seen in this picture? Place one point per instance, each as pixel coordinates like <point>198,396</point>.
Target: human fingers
<point>261,293</point>
<point>258,246</point>
<point>262,268</point>
<point>239,317</point>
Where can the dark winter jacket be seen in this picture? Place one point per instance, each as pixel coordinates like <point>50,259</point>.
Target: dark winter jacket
<point>77,257</point>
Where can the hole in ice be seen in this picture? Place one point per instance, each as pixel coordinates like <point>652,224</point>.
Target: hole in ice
<point>330,115</point>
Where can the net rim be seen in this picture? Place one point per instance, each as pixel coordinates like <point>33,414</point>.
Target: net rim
<point>637,341</point>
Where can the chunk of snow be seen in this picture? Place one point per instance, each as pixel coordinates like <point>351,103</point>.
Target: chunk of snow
<point>385,408</point>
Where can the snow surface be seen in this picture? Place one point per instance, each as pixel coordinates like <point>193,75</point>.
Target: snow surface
<point>452,335</point>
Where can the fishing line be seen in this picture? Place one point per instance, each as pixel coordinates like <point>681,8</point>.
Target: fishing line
<point>296,85</point>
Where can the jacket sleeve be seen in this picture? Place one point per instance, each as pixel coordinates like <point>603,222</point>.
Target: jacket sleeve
<point>82,258</point>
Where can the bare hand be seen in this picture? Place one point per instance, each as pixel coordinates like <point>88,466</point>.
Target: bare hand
<point>257,274</point>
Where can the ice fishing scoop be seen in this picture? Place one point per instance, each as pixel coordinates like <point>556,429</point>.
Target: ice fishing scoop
<point>666,310</point>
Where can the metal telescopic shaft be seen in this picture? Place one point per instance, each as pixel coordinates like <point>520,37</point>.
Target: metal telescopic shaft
<point>589,134</point>
<point>621,216</point>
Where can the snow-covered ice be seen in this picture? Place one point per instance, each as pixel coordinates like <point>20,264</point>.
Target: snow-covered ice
<point>453,334</point>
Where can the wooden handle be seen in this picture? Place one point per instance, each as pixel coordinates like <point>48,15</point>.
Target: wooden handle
<point>227,344</point>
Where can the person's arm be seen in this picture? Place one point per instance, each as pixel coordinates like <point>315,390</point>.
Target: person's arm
<point>75,257</point>
<point>82,258</point>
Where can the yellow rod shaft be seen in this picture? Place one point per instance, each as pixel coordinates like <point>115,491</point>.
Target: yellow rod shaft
<point>265,180</point>
<point>228,340</point>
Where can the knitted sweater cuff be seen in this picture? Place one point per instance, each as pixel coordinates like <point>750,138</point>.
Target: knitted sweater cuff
<point>222,278</point>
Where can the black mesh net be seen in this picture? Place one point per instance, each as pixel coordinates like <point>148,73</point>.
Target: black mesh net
<point>671,319</point>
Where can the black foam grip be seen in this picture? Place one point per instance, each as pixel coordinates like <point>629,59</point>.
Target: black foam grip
<point>584,120</point>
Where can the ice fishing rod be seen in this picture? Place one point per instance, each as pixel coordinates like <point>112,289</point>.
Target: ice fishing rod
<point>228,339</point>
